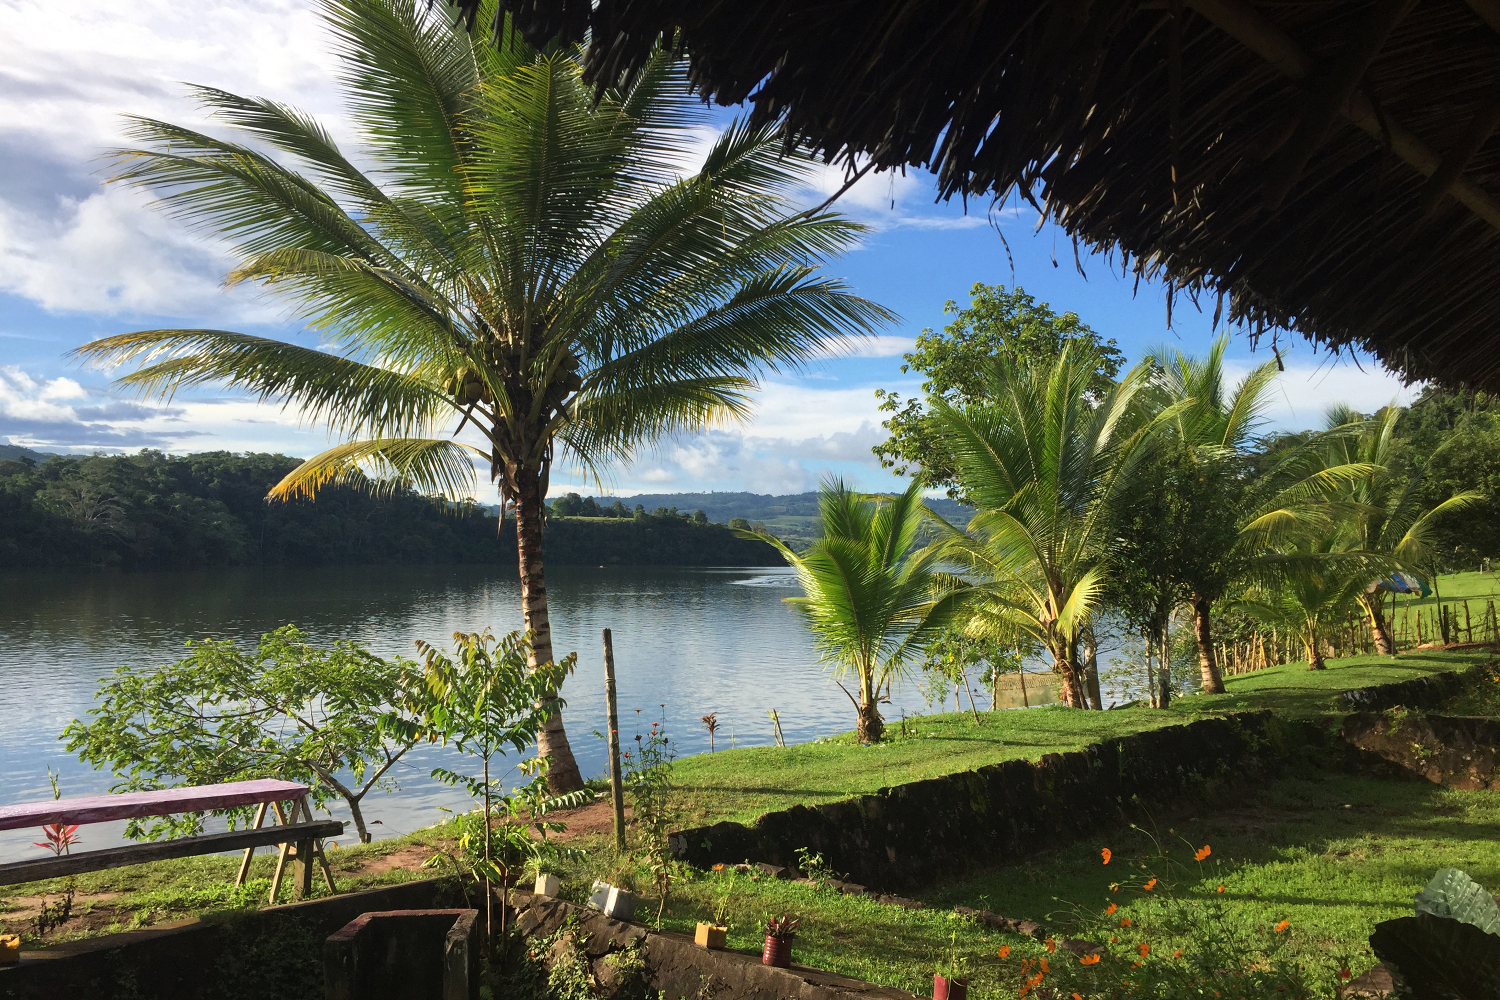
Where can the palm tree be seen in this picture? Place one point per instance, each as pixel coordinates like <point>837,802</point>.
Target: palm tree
<point>1257,514</point>
<point>524,261</point>
<point>1387,515</point>
<point>869,598</point>
<point>1213,426</point>
<point>1041,462</point>
<point>1317,587</point>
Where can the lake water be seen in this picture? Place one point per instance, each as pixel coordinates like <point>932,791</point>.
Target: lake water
<point>687,641</point>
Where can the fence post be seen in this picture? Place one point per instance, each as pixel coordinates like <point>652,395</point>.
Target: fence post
<point>616,780</point>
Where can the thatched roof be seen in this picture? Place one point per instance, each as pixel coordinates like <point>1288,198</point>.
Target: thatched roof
<point>1336,169</point>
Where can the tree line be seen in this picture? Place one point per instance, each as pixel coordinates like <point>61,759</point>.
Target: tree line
<point>152,511</point>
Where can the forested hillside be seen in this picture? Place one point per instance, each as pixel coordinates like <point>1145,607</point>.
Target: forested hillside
<point>155,511</point>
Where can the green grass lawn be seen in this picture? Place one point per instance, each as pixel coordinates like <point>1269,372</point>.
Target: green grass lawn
<point>739,785</point>
<point>1455,587</point>
<point>1331,855</point>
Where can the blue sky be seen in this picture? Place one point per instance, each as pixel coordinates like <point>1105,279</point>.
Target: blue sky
<point>78,261</point>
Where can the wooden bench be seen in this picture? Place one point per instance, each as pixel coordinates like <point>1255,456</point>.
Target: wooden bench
<point>298,834</point>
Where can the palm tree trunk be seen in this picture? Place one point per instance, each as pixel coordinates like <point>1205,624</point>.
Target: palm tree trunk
<point>552,742</point>
<point>1373,603</point>
<point>1314,652</point>
<point>1066,667</point>
<point>1208,665</point>
<point>870,726</point>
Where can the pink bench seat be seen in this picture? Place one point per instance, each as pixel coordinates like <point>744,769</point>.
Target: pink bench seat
<point>133,805</point>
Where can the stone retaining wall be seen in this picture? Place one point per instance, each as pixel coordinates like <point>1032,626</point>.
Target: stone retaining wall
<point>226,955</point>
<point>907,834</point>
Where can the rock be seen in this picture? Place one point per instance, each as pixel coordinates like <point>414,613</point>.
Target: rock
<point>1376,984</point>
<point>1009,925</point>
<point>1080,947</point>
<point>847,888</point>
<point>775,871</point>
<point>902,901</point>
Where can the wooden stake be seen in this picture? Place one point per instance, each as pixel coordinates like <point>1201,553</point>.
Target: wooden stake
<point>616,779</point>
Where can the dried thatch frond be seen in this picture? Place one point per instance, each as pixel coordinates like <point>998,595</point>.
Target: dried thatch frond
<point>1301,133</point>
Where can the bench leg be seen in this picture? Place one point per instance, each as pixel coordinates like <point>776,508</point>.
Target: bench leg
<point>260,819</point>
<point>281,859</point>
<point>305,865</point>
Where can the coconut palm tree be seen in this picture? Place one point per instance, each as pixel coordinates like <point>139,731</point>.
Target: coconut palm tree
<point>1311,594</point>
<point>1386,513</point>
<point>869,597</point>
<point>1041,462</point>
<point>1255,514</point>
<point>523,260</point>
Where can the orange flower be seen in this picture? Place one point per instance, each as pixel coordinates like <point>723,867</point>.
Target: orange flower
<point>1221,888</point>
<point>1090,959</point>
<point>1114,887</point>
<point>1109,910</point>
<point>1005,951</point>
<point>1125,922</point>
<point>1143,948</point>
<point>1051,947</point>
<point>719,867</point>
<point>1106,854</point>
<point>1113,939</point>
<point>1178,954</point>
<point>1077,997</point>
<point>1283,925</point>
<point>1045,966</point>
<point>1149,885</point>
<point>1202,852</point>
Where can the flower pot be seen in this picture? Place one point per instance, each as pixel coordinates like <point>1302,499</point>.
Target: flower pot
<point>547,885</point>
<point>613,901</point>
<point>711,936</point>
<point>944,988</point>
<point>778,952</point>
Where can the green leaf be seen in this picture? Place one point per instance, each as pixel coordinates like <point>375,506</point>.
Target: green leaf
<point>1451,893</point>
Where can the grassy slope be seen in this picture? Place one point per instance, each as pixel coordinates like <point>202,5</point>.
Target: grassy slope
<point>741,784</point>
<point>1456,587</point>
<point>1332,855</point>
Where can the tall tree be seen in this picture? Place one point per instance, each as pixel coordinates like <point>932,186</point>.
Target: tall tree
<point>869,598</point>
<point>1388,514</point>
<point>1041,458</point>
<point>526,261</point>
<point>955,365</point>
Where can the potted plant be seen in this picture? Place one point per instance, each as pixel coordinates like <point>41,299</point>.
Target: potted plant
<point>951,981</point>
<point>715,935</point>
<point>547,880</point>
<point>617,901</point>
<point>779,934</point>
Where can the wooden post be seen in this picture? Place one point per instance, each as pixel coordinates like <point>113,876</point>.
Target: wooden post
<point>1468,622</point>
<point>616,779</point>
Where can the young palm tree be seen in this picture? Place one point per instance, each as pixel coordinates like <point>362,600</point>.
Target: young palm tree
<point>1214,426</point>
<point>1386,514</point>
<point>524,260</point>
<point>869,599</point>
<point>1041,462</point>
<point>1256,515</point>
<point>1316,588</point>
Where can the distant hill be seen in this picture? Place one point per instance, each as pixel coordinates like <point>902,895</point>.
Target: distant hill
<point>14,453</point>
<point>792,518</point>
<point>761,506</point>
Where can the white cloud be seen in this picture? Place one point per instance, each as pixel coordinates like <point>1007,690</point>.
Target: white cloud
<point>1307,388</point>
<point>71,71</point>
